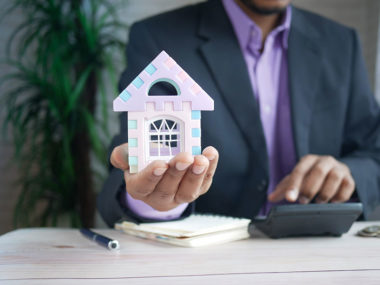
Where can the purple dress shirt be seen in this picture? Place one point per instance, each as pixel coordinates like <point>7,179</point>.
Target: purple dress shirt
<point>268,72</point>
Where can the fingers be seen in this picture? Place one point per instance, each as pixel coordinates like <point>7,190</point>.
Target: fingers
<point>331,185</point>
<point>322,177</point>
<point>163,195</point>
<point>314,179</point>
<point>119,157</point>
<point>290,186</point>
<point>213,156</point>
<point>345,191</point>
<point>143,183</point>
<point>329,178</point>
<point>189,188</point>
<point>164,186</point>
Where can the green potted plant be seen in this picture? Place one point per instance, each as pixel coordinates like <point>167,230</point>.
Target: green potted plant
<point>56,83</point>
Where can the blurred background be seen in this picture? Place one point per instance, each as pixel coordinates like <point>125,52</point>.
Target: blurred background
<point>85,57</point>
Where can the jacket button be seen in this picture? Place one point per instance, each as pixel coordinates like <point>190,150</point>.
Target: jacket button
<point>262,185</point>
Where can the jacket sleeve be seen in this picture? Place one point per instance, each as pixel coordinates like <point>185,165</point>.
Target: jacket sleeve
<point>361,148</point>
<point>141,49</point>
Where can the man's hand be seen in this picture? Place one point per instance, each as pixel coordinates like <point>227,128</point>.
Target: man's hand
<point>164,186</point>
<point>317,176</point>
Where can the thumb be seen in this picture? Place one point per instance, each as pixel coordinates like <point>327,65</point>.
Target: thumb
<point>119,157</point>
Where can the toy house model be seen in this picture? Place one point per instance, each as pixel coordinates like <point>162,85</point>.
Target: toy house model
<point>161,126</point>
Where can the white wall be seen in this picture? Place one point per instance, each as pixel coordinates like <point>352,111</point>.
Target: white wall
<point>377,71</point>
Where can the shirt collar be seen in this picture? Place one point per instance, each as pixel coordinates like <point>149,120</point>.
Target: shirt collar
<point>246,30</point>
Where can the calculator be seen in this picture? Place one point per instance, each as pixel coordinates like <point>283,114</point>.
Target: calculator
<point>331,219</point>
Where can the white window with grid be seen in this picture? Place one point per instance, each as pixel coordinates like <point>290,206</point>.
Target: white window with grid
<point>164,136</point>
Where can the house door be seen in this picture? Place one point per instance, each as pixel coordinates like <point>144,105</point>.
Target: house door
<point>165,138</point>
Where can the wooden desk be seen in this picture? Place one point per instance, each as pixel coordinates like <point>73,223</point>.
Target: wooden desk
<point>61,256</point>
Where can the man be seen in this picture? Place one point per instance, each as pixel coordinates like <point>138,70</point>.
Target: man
<point>294,119</point>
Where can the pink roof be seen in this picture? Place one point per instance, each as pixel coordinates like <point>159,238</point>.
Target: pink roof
<point>162,68</point>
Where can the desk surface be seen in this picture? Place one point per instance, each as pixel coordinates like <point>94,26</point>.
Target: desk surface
<point>61,256</point>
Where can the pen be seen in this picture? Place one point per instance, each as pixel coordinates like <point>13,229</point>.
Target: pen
<point>100,239</point>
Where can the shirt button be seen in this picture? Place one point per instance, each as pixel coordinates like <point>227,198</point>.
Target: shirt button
<point>267,109</point>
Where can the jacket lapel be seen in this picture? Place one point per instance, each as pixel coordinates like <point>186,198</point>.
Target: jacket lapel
<point>304,65</point>
<point>225,61</point>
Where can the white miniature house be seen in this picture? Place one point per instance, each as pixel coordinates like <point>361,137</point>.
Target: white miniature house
<point>159,127</point>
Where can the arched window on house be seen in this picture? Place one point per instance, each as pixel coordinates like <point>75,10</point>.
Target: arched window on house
<point>164,138</point>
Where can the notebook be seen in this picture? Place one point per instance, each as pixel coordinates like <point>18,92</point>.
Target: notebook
<point>196,230</point>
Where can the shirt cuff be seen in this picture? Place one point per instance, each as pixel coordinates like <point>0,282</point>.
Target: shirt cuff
<point>143,210</point>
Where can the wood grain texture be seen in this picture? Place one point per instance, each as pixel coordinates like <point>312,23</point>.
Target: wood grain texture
<point>43,256</point>
<point>293,278</point>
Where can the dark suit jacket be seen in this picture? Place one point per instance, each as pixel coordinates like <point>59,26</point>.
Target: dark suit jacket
<point>333,109</point>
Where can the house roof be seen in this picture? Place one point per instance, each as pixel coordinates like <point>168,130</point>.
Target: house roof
<point>162,68</point>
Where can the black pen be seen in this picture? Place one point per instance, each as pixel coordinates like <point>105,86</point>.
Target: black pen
<point>102,240</point>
